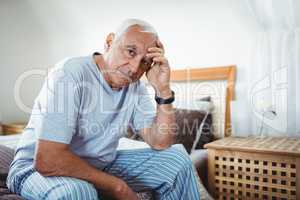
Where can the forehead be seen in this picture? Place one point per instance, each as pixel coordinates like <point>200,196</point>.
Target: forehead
<point>135,37</point>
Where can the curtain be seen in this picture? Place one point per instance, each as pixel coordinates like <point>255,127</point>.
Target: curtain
<point>274,71</point>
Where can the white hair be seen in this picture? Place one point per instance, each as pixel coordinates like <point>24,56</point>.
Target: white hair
<point>125,25</point>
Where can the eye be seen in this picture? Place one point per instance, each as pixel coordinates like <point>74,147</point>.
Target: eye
<point>131,52</point>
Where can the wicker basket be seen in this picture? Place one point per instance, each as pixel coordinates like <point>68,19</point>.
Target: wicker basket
<point>13,128</point>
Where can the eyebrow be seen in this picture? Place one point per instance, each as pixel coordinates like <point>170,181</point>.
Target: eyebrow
<point>131,46</point>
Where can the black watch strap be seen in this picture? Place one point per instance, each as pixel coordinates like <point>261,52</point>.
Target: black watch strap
<point>160,100</point>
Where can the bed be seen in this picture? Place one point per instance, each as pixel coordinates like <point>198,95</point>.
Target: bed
<point>192,88</point>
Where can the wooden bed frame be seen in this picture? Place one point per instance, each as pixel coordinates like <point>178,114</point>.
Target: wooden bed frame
<point>227,73</point>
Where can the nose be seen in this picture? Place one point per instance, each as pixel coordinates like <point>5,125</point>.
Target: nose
<point>135,64</point>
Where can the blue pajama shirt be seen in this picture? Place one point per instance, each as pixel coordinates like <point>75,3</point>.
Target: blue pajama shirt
<point>77,107</point>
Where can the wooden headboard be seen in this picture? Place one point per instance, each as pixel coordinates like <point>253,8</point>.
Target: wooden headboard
<point>227,73</point>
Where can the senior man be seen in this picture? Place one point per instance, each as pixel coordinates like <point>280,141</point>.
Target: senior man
<point>68,149</point>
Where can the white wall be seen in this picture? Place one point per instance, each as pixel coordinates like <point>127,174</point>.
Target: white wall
<point>36,34</point>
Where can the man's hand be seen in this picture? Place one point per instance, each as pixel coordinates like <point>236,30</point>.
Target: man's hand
<point>122,191</point>
<point>69,164</point>
<point>161,134</point>
<point>159,73</point>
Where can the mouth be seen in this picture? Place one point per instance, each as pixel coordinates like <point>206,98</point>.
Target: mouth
<point>125,76</point>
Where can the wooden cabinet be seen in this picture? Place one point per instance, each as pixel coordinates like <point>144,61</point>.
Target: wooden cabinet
<point>254,168</point>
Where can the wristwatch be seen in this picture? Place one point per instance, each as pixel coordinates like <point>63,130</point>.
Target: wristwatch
<point>160,100</point>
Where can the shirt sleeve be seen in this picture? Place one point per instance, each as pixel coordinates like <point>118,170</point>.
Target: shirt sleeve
<point>56,108</point>
<point>144,111</point>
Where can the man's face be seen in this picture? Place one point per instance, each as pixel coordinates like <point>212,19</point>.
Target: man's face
<point>126,58</point>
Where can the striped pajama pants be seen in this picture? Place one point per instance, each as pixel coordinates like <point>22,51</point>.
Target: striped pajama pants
<point>168,173</point>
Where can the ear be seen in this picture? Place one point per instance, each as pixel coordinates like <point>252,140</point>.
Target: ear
<point>109,40</point>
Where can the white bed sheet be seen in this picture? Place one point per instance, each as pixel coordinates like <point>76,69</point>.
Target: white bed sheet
<point>10,141</point>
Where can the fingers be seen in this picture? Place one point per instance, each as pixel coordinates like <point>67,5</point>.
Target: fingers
<point>156,49</point>
<point>152,55</point>
<point>159,48</point>
<point>157,57</point>
<point>160,59</point>
<point>157,53</point>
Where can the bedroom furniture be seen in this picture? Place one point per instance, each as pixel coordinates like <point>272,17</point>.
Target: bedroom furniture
<point>10,141</point>
<point>254,168</point>
<point>193,83</point>
<point>12,128</point>
<point>6,157</point>
<point>221,94</point>
<point>198,156</point>
<point>210,74</point>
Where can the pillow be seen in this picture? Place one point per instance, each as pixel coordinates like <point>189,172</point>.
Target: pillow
<point>200,129</point>
<point>188,124</point>
<point>6,157</point>
<point>205,133</point>
<point>193,127</point>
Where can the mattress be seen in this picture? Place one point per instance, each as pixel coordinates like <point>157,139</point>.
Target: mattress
<point>10,141</point>
<point>199,158</point>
